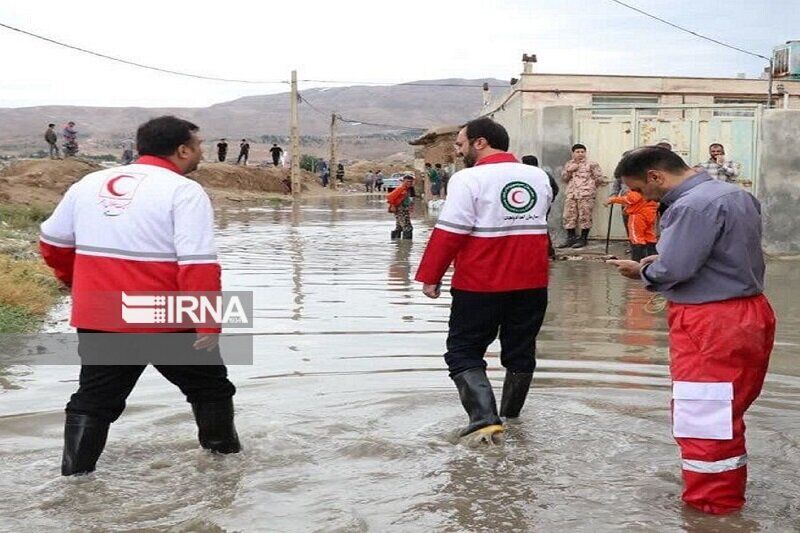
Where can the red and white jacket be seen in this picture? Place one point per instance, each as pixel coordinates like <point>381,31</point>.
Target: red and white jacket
<point>141,227</point>
<point>494,225</point>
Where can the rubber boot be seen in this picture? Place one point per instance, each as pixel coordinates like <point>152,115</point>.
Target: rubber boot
<point>515,390</point>
<point>478,401</point>
<point>571,239</point>
<point>582,240</point>
<point>408,234</point>
<point>216,430</point>
<point>84,440</point>
<point>395,234</point>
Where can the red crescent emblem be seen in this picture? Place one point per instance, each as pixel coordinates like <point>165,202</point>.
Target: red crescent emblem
<point>514,197</point>
<point>112,181</point>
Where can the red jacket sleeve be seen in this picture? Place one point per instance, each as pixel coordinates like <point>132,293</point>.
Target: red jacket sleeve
<point>60,259</point>
<point>441,250</point>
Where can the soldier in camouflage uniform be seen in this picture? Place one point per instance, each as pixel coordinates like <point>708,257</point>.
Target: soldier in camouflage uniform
<point>400,202</point>
<point>582,177</point>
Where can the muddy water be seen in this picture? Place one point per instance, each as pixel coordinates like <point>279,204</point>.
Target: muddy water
<point>346,413</point>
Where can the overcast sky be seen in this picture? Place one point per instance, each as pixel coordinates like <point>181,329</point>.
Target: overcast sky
<point>362,41</point>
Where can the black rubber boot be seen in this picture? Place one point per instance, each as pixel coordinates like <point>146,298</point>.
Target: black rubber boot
<point>582,240</point>
<point>408,234</point>
<point>571,239</point>
<point>84,440</point>
<point>216,430</point>
<point>478,401</point>
<point>515,390</point>
<point>395,234</point>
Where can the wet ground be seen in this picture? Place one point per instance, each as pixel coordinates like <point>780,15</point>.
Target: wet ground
<point>346,413</point>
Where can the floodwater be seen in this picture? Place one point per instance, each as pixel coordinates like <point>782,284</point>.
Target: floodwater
<point>346,413</point>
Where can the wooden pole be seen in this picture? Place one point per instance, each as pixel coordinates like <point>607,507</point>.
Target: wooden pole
<point>295,139</point>
<point>332,165</point>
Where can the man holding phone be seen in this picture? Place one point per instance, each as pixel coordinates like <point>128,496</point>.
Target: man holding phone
<point>710,268</point>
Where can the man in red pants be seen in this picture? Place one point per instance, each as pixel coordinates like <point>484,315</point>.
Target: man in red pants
<point>721,327</point>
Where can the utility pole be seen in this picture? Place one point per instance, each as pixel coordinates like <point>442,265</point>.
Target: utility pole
<point>332,164</point>
<point>294,130</point>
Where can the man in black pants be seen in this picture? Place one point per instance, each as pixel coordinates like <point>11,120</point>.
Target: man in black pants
<point>158,237</point>
<point>276,152</point>
<point>494,225</point>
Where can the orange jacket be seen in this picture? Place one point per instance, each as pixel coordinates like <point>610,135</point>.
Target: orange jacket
<point>641,216</point>
<point>397,196</point>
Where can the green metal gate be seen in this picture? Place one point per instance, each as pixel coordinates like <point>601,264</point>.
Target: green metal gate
<point>611,129</point>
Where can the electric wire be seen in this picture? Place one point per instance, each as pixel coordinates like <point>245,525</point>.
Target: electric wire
<point>353,121</point>
<point>406,84</point>
<point>681,28</point>
<point>140,65</point>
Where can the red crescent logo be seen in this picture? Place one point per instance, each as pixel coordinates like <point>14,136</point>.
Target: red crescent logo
<point>112,181</point>
<point>514,197</point>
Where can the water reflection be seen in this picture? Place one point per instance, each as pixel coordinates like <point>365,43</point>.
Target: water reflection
<point>346,411</point>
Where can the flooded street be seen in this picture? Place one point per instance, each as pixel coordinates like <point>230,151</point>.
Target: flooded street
<point>346,413</point>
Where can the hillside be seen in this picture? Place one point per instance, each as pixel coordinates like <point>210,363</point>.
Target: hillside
<point>101,129</point>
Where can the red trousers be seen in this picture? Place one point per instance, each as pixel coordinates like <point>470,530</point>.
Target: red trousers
<point>719,353</point>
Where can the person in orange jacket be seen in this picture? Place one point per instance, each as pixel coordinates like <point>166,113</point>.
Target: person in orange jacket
<point>400,202</point>
<point>641,222</point>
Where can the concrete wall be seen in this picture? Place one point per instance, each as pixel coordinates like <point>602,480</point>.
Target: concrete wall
<point>779,184</point>
<point>556,138</point>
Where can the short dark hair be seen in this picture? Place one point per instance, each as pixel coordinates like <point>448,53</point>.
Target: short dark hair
<point>427,164</point>
<point>162,136</point>
<point>578,146</point>
<point>636,163</point>
<point>51,125</point>
<point>244,140</point>
<point>712,145</point>
<point>531,160</point>
<point>438,165</point>
<point>494,133</point>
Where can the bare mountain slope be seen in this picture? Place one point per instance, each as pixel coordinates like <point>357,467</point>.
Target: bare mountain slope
<point>451,101</point>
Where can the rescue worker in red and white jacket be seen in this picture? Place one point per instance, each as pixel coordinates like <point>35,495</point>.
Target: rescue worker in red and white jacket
<point>494,226</point>
<point>710,268</point>
<point>141,227</point>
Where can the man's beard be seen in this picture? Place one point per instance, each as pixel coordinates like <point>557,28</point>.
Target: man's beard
<point>470,158</point>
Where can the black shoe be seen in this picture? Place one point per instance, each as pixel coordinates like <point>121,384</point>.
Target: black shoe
<point>216,430</point>
<point>515,390</point>
<point>582,240</point>
<point>478,401</point>
<point>396,234</point>
<point>408,234</point>
<point>84,440</point>
<point>572,238</point>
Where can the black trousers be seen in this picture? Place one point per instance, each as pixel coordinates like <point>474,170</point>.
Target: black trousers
<point>476,319</point>
<point>640,251</point>
<point>104,388</point>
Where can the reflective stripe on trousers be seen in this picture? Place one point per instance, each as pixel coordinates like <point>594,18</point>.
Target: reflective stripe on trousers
<point>715,467</point>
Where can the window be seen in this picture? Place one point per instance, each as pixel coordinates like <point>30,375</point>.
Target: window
<point>734,112</point>
<point>621,101</point>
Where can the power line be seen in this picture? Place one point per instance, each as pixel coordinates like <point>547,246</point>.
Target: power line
<point>668,23</point>
<point>139,65</point>
<point>353,121</point>
<point>405,84</point>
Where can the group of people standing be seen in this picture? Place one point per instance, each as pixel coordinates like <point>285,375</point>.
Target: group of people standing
<point>584,177</point>
<point>493,227</point>
<point>70,136</point>
<point>244,152</point>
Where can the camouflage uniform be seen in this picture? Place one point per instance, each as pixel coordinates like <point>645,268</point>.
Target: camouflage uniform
<point>402,216</point>
<point>582,180</point>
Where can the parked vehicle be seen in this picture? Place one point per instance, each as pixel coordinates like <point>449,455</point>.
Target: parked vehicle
<point>393,181</point>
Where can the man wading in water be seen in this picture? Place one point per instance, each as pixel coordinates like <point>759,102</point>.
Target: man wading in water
<point>494,224</point>
<point>143,227</point>
<point>710,268</point>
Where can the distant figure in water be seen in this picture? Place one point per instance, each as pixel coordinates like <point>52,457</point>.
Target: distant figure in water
<point>161,242</point>
<point>401,202</point>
